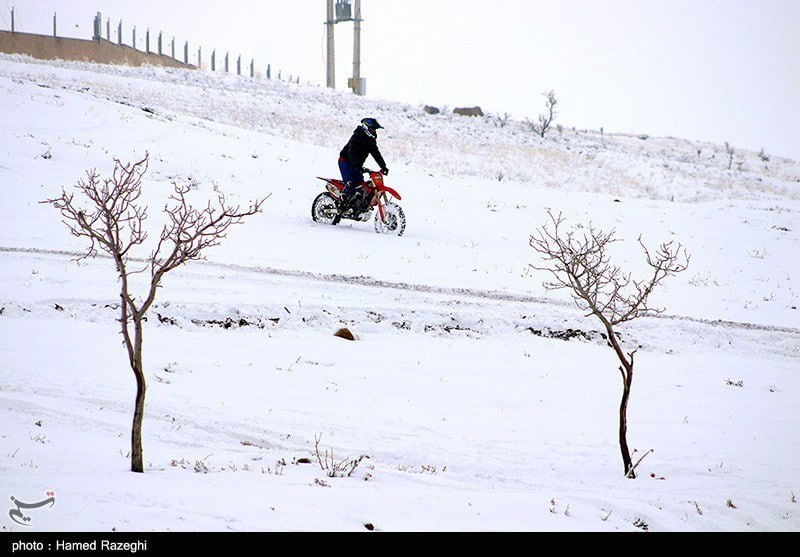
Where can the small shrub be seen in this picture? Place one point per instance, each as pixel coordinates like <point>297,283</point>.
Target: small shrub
<point>332,467</point>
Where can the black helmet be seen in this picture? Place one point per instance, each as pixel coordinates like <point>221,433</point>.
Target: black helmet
<point>371,123</point>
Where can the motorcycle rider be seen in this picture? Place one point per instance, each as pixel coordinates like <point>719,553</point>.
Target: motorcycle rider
<point>362,143</point>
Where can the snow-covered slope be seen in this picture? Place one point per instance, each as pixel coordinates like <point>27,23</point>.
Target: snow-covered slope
<point>473,413</point>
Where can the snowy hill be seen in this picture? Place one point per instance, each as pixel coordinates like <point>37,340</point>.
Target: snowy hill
<point>471,410</point>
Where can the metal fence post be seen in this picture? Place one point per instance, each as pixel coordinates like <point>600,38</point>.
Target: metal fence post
<point>12,19</point>
<point>252,68</point>
<point>108,29</point>
<point>239,65</point>
<point>269,71</point>
<point>199,57</point>
<point>119,32</point>
<point>186,53</point>
<point>54,24</point>
<point>173,47</point>
<point>134,37</point>
<point>147,42</point>
<point>159,44</point>
<point>226,62</point>
<point>214,60</point>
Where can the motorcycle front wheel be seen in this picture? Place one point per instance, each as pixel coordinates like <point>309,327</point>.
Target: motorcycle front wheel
<point>323,209</point>
<point>394,222</point>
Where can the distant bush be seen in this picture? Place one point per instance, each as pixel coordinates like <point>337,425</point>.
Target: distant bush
<point>542,126</point>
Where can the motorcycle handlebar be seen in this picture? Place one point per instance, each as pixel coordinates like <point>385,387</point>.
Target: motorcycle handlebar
<point>370,171</point>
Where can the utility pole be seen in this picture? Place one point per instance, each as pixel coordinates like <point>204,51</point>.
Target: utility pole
<point>331,62</point>
<point>357,85</point>
<point>346,10</point>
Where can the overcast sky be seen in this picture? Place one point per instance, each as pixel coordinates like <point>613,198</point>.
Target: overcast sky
<point>717,70</point>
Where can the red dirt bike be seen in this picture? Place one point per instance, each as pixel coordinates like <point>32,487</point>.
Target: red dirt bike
<point>389,219</point>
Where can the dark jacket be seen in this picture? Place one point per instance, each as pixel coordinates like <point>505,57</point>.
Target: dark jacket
<point>359,147</point>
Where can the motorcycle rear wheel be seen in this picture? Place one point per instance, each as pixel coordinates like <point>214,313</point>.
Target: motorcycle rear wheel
<point>324,210</point>
<point>395,220</point>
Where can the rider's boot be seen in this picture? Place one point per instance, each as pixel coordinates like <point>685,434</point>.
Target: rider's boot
<point>346,197</point>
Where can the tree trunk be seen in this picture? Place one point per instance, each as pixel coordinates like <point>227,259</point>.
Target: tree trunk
<point>137,458</point>
<point>626,369</point>
<point>627,378</point>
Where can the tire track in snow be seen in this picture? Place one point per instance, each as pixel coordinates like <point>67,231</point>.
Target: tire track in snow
<point>363,280</point>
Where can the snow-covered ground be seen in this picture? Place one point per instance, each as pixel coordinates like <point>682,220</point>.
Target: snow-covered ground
<point>470,410</point>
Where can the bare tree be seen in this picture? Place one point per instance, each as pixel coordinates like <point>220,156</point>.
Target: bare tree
<point>545,120</point>
<point>113,222</point>
<point>579,262</point>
